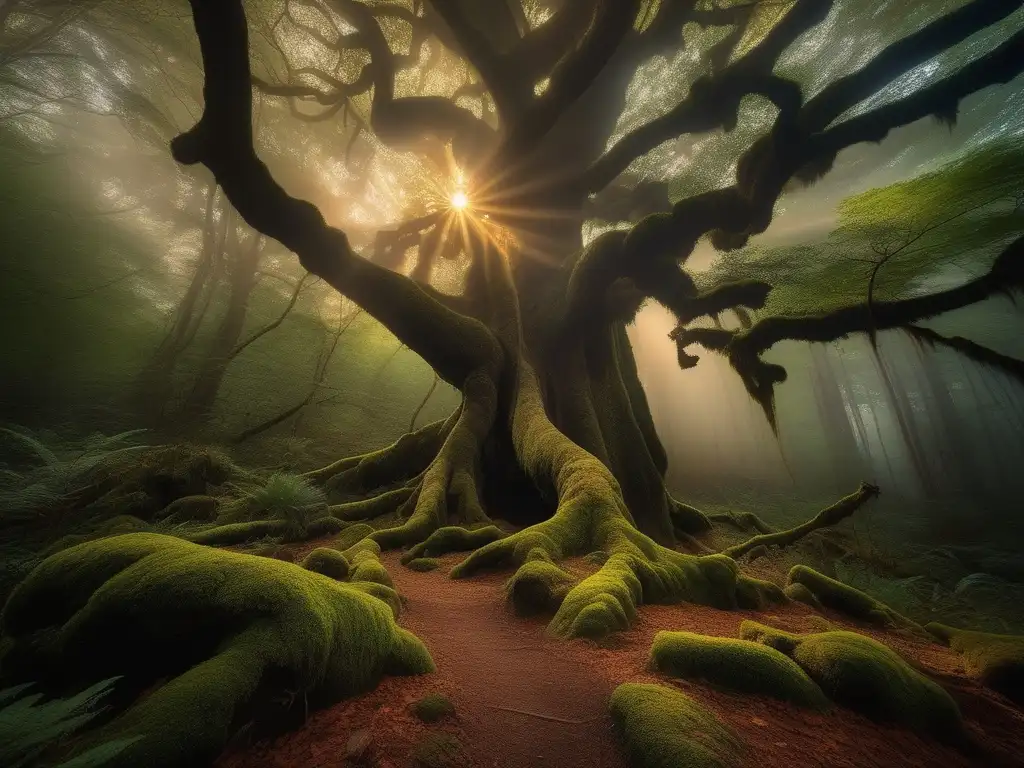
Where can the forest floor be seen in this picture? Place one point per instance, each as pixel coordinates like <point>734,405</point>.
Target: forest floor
<point>523,699</point>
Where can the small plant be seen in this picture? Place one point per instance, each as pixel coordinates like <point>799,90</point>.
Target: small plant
<point>29,726</point>
<point>287,497</point>
<point>432,708</point>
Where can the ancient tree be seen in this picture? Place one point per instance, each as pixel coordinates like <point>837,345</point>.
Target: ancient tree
<point>554,432</point>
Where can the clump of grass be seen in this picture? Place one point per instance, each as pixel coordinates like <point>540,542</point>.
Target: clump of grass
<point>289,498</point>
<point>432,707</point>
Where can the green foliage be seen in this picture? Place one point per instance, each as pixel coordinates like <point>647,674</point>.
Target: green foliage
<point>996,660</point>
<point>738,665</point>
<point>30,726</point>
<point>329,562</point>
<point>757,593</point>
<point>864,675</point>
<point>954,218</point>
<point>845,599</point>
<point>453,539</point>
<point>50,467</point>
<point>423,564</point>
<point>289,498</point>
<point>437,750</point>
<point>432,707</point>
<point>227,631</point>
<point>539,586</point>
<point>660,727</point>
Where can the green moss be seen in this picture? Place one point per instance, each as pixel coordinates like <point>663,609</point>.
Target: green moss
<point>597,558</point>
<point>352,535</point>
<point>845,599</point>
<point>239,533</point>
<point>739,665</point>
<point>423,564</point>
<point>432,708</point>
<point>539,586</point>
<point>759,594</point>
<point>453,539</point>
<point>437,750</point>
<point>323,526</point>
<point>384,593</point>
<point>802,594</point>
<point>187,508</point>
<point>660,727</point>
<point>996,660</point>
<point>225,630</point>
<point>329,562</point>
<point>366,565</point>
<point>376,506</point>
<point>864,675</point>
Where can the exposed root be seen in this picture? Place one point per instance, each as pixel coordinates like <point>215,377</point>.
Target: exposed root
<point>448,488</point>
<point>839,511</point>
<point>591,516</point>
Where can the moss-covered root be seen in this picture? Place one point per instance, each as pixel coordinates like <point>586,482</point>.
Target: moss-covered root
<point>738,665</point>
<point>845,599</point>
<point>864,675</point>
<point>660,727</point>
<point>366,564</point>
<point>539,586</point>
<point>239,533</point>
<point>996,660</point>
<point>230,632</point>
<point>453,539</point>
<point>801,594</point>
<point>329,562</point>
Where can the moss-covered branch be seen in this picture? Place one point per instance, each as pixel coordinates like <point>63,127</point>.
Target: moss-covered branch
<point>829,516</point>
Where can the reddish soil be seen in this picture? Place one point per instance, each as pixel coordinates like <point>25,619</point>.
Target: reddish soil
<point>525,700</point>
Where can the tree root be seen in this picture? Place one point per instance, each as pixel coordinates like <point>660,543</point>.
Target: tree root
<point>829,516</point>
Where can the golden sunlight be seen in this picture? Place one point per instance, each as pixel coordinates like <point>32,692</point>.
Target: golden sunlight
<point>459,200</point>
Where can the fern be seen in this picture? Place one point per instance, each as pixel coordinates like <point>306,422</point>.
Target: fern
<point>30,726</point>
<point>287,497</point>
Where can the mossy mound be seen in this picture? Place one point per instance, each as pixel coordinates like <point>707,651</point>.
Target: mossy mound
<point>423,564</point>
<point>864,675</point>
<point>845,599</point>
<point>352,535</point>
<point>660,727</point>
<point>386,594</point>
<point>453,539</point>
<point>757,593</point>
<point>801,594</point>
<point>190,508</point>
<point>996,660</point>
<point>214,637</point>
<point>366,566</point>
<point>738,665</point>
<point>432,707</point>
<point>539,586</point>
<point>240,533</point>
<point>329,562</point>
<point>437,750</point>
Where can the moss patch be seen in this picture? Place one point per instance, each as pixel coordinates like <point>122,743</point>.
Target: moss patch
<point>432,708</point>
<point>802,594</point>
<point>329,562</point>
<point>228,632</point>
<point>757,593</point>
<point>539,586</point>
<point>352,535</point>
<point>188,508</point>
<point>366,566</point>
<point>845,599</point>
<point>996,660</point>
<point>424,564</point>
<point>738,665</point>
<point>864,675</point>
<point>437,750</point>
<point>660,727</point>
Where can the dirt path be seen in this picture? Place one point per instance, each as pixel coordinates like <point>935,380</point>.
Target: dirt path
<point>523,700</point>
<point>495,664</point>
